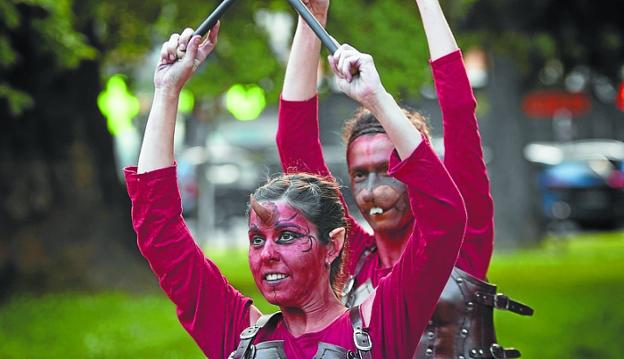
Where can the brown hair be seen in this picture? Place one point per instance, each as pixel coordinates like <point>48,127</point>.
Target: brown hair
<point>318,199</point>
<point>364,122</point>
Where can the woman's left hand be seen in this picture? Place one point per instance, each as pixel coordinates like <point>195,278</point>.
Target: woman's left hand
<point>356,74</point>
<point>173,72</point>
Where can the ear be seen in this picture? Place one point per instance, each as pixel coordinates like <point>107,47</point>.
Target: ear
<point>337,238</point>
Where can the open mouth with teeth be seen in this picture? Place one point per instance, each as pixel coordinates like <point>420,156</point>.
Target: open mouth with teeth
<point>376,211</point>
<point>275,277</point>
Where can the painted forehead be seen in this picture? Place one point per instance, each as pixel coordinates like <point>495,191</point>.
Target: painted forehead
<point>283,215</point>
<point>375,148</point>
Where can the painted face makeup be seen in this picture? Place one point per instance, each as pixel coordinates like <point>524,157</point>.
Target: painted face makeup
<point>382,199</point>
<point>285,256</point>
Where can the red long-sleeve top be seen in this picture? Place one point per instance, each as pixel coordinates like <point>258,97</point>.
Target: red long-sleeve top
<point>300,150</point>
<point>214,313</point>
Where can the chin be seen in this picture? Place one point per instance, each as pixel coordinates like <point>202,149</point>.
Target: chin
<point>387,224</point>
<point>278,297</point>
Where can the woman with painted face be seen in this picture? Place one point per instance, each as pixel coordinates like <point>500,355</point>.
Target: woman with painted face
<point>462,324</point>
<point>297,227</point>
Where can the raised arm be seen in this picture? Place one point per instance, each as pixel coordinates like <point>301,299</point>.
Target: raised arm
<point>439,36</point>
<point>463,156</point>
<point>170,76</point>
<point>298,139</point>
<point>400,307</point>
<point>297,135</point>
<point>301,72</point>
<point>403,302</point>
<point>210,309</point>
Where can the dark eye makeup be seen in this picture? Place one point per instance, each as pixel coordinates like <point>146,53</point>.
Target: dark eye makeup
<point>287,237</point>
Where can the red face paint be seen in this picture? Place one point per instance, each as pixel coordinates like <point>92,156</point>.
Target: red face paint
<point>382,199</point>
<point>285,257</point>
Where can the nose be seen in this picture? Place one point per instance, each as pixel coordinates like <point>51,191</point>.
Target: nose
<point>269,252</point>
<point>367,191</point>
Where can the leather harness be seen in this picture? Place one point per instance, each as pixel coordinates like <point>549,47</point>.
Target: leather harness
<point>274,349</point>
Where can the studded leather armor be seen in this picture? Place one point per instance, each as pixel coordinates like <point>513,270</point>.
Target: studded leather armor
<point>462,325</point>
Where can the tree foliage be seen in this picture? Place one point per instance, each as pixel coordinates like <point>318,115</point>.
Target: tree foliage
<point>122,32</point>
<point>576,33</point>
<point>51,24</point>
<point>118,34</point>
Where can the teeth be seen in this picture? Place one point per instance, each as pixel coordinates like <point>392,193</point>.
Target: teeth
<point>375,211</point>
<point>275,276</point>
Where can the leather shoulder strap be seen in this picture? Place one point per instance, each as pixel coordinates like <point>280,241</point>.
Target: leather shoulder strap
<point>248,335</point>
<point>350,287</point>
<point>360,337</point>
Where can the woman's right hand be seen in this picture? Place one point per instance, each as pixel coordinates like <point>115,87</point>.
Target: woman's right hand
<point>173,72</point>
<point>356,75</point>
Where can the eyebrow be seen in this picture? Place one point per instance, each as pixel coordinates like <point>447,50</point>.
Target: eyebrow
<point>281,224</point>
<point>254,229</point>
<point>286,224</point>
<point>365,167</point>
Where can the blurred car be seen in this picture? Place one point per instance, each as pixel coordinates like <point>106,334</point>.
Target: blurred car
<point>581,181</point>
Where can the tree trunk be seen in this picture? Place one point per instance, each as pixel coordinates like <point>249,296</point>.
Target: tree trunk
<point>64,217</point>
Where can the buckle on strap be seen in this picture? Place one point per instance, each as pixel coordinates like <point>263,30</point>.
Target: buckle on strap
<point>503,302</point>
<point>250,332</point>
<point>498,352</point>
<point>362,340</point>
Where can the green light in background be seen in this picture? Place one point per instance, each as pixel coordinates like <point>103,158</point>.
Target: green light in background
<point>186,102</point>
<point>118,105</point>
<point>245,103</point>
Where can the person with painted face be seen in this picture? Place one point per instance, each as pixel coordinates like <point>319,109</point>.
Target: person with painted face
<point>462,325</point>
<point>297,227</point>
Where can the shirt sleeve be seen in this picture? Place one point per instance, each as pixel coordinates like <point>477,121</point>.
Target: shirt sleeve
<point>299,147</point>
<point>405,299</point>
<point>210,309</point>
<point>463,158</point>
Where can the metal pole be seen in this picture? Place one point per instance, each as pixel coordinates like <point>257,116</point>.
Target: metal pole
<point>320,32</point>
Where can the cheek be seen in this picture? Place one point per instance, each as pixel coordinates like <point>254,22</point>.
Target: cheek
<point>357,191</point>
<point>391,188</point>
<point>404,206</point>
<point>396,185</point>
<point>307,264</point>
<point>254,262</point>
<point>299,258</point>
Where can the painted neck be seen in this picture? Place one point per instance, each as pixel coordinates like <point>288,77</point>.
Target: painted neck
<point>314,315</point>
<point>392,243</point>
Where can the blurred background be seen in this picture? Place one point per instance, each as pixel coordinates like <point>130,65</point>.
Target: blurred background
<point>76,87</point>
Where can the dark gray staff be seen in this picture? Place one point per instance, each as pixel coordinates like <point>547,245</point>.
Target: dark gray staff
<point>320,32</point>
<point>210,21</point>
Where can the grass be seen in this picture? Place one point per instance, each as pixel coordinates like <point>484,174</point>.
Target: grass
<point>93,326</point>
<point>576,288</point>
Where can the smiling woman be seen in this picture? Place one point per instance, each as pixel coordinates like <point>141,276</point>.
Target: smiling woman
<point>292,215</point>
<point>297,230</point>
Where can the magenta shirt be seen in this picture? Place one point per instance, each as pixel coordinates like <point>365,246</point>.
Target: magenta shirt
<point>214,313</point>
<point>300,151</point>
